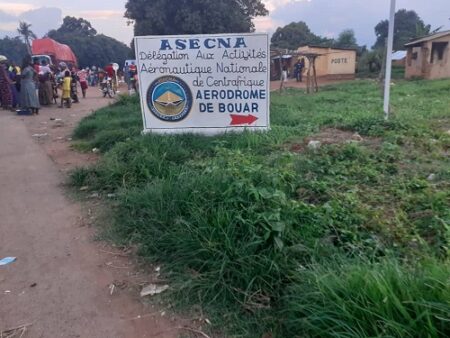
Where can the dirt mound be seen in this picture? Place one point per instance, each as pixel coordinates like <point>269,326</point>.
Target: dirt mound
<point>329,136</point>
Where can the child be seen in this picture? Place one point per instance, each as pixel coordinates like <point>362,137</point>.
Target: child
<point>66,86</point>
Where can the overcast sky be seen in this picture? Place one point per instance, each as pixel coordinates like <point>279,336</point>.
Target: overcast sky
<point>324,17</point>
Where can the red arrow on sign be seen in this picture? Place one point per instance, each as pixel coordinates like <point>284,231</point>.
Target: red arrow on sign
<point>237,120</point>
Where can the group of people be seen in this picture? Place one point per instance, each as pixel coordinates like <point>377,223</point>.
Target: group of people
<point>130,76</point>
<point>35,84</point>
<point>299,67</point>
<point>96,75</point>
<point>18,85</point>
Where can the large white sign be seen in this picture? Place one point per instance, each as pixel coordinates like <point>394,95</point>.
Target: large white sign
<point>204,83</point>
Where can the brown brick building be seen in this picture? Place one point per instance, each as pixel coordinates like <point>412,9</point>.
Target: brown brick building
<point>429,57</point>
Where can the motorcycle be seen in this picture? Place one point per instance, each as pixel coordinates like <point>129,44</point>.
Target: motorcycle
<point>107,88</point>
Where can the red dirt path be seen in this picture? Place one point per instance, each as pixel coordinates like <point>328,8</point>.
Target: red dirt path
<point>61,281</point>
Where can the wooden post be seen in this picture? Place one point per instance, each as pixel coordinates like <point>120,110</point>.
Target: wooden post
<point>311,79</point>
<point>316,86</point>
<point>308,75</point>
<point>281,72</point>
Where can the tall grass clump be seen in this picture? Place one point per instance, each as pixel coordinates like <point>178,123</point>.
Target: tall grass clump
<point>272,238</point>
<point>109,125</point>
<point>228,233</point>
<point>369,300</point>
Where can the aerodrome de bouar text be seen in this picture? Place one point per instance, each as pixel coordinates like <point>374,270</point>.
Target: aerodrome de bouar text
<point>226,75</point>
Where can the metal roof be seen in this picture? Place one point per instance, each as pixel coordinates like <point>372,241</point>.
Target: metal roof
<point>428,38</point>
<point>275,53</point>
<point>399,55</point>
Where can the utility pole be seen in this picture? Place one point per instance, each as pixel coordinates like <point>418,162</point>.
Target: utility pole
<point>387,78</point>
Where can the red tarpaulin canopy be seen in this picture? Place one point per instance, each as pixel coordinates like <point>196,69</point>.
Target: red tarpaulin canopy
<point>50,47</point>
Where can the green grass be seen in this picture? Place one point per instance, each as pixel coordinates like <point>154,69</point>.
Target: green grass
<point>309,244</point>
<point>398,72</point>
<point>359,300</point>
<point>109,125</point>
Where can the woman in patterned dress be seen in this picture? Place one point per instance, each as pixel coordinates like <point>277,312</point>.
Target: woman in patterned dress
<point>5,85</point>
<point>28,97</point>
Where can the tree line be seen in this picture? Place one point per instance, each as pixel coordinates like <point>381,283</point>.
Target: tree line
<point>166,17</point>
<point>408,26</point>
<point>90,47</point>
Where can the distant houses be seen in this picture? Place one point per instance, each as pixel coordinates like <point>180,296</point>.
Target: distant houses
<point>429,57</point>
<point>332,63</point>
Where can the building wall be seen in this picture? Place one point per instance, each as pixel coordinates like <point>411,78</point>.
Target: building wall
<point>399,63</point>
<point>440,68</point>
<point>414,60</point>
<point>341,62</point>
<point>424,60</point>
<point>334,62</point>
<point>321,61</point>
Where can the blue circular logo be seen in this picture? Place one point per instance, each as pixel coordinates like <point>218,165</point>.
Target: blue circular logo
<point>169,99</point>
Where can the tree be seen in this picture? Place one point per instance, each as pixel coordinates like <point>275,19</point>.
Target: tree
<point>408,26</point>
<point>295,35</point>
<point>346,39</point>
<point>13,48</point>
<point>72,25</point>
<point>370,62</point>
<point>89,47</point>
<point>168,17</point>
<point>27,34</point>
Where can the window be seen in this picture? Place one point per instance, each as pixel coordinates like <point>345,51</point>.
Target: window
<point>437,51</point>
<point>410,56</point>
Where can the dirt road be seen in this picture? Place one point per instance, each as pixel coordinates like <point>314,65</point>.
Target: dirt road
<point>63,283</point>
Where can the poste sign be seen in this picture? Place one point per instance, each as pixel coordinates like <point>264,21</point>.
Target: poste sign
<point>204,83</point>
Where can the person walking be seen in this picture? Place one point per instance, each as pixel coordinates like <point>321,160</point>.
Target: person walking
<point>6,96</point>
<point>299,67</point>
<point>66,90</point>
<point>285,73</point>
<point>14,76</point>
<point>302,68</point>
<point>28,97</point>
<point>74,87</point>
<point>132,74</point>
<point>45,84</point>
<point>82,76</point>
<point>126,74</point>
<point>93,77</point>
